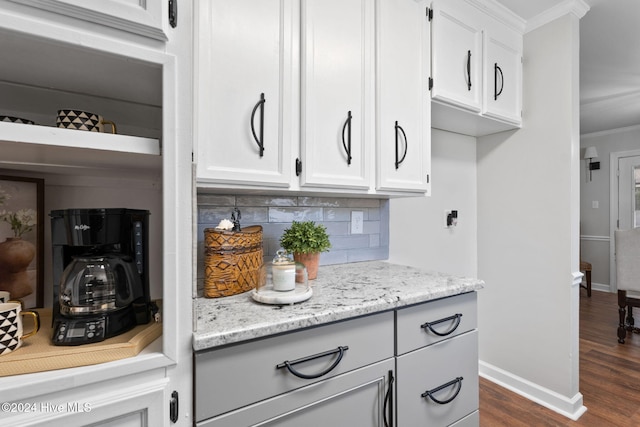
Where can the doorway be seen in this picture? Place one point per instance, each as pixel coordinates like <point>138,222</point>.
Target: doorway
<point>625,199</point>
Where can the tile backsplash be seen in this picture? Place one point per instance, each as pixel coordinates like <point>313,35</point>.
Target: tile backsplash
<point>275,213</point>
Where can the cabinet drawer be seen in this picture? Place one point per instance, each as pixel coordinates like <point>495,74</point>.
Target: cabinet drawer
<point>434,321</point>
<point>449,371</point>
<point>355,399</point>
<point>238,375</point>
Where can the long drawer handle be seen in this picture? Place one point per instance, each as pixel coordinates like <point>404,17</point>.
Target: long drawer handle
<point>347,144</point>
<point>388,402</point>
<point>469,70</point>
<point>289,364</point>
<point>430,393</point>
<point>456,317</point>
<point>259,140</point>
<point>406,145</point>
<point>496,92</point>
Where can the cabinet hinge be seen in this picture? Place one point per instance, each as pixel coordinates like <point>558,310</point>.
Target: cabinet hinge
<point>298,167</point>
<point>173,407</point>
<point>173,13</point>
<point>429,13</point>
<point>430,83</point>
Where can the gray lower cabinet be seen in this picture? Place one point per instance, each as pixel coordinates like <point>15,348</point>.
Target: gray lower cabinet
<point>328,369</point>
<point>414,366</point>
<point>438,385</point>
<point>437,363</point>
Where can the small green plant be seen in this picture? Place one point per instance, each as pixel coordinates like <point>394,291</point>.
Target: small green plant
<point>305,238</point>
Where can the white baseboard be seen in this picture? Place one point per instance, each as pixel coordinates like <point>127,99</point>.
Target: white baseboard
<point>602,287</point>
<point>571,408</point>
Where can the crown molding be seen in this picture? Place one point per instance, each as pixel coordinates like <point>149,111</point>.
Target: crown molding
<point>577,8</point>
<point>501,13</point>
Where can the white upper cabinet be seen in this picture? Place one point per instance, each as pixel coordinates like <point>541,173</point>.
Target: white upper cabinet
<point>456,65</point>
<point>289,95</point>
<point>337,93</point>
<point>403,122</point>
<point>150,18</point>
<point>243,92</point>
<point>476,67</point>
<point>503,77</point>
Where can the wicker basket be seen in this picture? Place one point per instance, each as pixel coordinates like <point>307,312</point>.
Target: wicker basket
<point>232,261</point>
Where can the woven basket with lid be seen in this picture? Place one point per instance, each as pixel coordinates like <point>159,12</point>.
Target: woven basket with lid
<point>232,261</point>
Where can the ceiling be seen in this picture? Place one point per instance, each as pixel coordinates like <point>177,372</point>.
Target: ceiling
<point>609,60</point>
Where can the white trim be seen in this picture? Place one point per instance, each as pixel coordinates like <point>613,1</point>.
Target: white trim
<point>595,238</point>
<point>571,408</point>
<point>501,13</point>
<point>576,7</point>
<point>577,278</point>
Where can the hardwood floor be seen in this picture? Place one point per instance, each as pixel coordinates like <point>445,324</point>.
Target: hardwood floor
<point>609,377</point>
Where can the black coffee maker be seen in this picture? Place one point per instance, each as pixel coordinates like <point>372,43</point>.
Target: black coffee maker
<point>100,273</point>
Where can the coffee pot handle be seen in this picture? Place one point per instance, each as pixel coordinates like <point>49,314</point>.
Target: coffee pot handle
<point>130,290</point>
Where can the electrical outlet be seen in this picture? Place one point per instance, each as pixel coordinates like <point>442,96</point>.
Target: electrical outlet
<point>357,222</point>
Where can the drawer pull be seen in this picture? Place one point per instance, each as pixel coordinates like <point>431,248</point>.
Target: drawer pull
<point>430,393</point>
<point>388,402</point>
<point>289,364</point>
<point>456,317</point>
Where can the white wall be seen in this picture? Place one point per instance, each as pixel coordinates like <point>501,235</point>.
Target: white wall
<point>528,230</point>
<point>417,233</point>
<point>595,233</point>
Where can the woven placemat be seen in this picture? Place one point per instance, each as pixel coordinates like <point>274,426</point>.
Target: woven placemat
<point>37,354</point>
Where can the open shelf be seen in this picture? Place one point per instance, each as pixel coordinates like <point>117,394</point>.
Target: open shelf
<point>75,152</point>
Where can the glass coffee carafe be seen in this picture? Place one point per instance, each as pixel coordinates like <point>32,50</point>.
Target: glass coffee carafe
<point>98,284</point>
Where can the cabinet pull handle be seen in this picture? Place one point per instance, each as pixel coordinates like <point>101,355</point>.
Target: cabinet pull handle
<point>496,92</point>
<point>406,144</point>
<point>430,393</point>
<point>388,402</point>
<point>259,141</point>
<point>347,145</point>
<point>289,364</point>
<point>469,70</point>
<point>429,325</point>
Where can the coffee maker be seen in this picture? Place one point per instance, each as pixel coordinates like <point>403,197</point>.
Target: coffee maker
<point>100,273</point>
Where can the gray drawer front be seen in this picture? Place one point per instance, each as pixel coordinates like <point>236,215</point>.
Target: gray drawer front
<point>238,375</point>
<point>412,336</point>
<point>434,366</point>
<point>354,399</point>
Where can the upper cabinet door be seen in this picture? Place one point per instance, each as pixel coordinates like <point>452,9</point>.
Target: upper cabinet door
<point>336,104</point>
<point>456,66</point>
<point>503,78</point>
<point>403,104</point>
<point>243,91</point>
<point>148,18</point>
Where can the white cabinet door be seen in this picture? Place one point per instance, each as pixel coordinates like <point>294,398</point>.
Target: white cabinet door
<point>503,79</point>
<point>147,18</point>
<point>403,104</point>
<point>457,55</point>
<point>336,103</point>
<point>243,65</point>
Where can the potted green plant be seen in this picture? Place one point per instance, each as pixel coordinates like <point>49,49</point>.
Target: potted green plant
<point>306,240</point>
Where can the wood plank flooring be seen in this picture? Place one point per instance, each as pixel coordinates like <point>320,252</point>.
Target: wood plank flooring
<point>609,377</point>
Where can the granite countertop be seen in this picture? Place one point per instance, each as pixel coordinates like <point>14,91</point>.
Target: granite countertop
<point>340,292</point>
